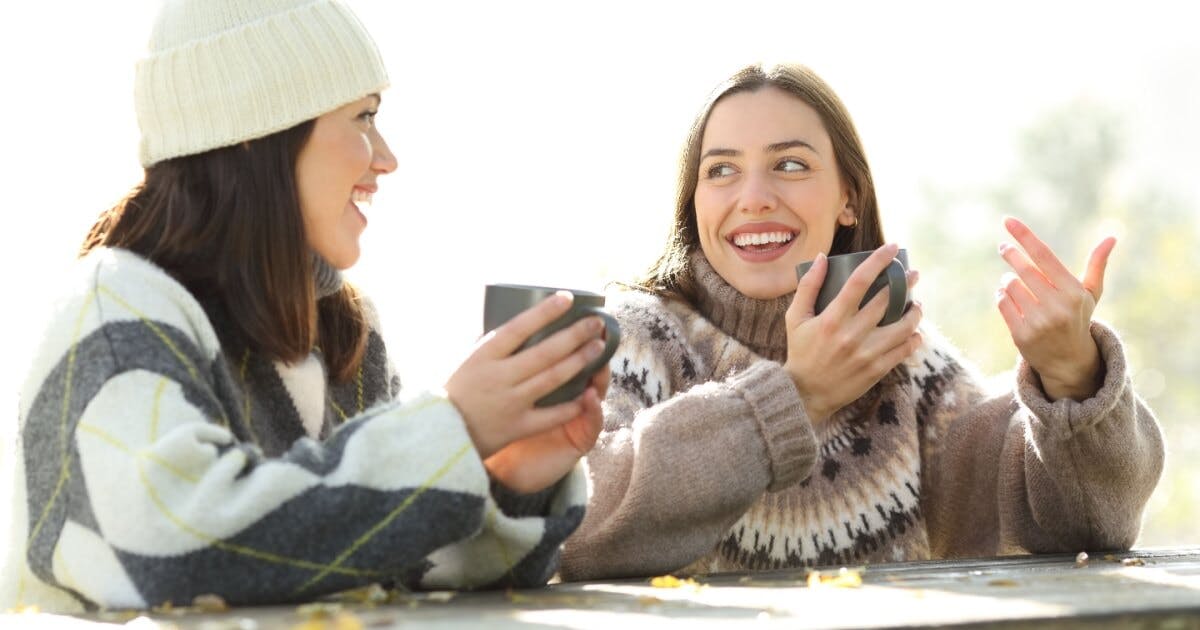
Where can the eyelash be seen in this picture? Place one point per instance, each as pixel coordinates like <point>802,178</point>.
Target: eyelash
<point>802,165</point>
<point>369,116</point>
<point>713,171</point>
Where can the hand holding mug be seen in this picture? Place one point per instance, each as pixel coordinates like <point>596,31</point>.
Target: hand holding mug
<point>1048,312</point>
<point>836,356</point>
<point>538,461</point>
<point>496,387</point>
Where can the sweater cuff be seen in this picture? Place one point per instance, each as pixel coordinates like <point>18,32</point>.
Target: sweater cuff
<point>1065,416</point>
<point>782,421</point>
<point>515,504</point>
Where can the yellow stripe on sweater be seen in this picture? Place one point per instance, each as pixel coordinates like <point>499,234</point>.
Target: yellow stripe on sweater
<point>265,556</point>
<point>64,471</point>
<point>162,336</point>
<point>400,509</point>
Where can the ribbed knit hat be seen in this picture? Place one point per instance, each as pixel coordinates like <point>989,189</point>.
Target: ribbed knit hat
<point>219,72</point>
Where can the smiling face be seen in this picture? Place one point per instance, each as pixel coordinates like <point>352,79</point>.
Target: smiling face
<point>769,195</point>
<point>335,177</point>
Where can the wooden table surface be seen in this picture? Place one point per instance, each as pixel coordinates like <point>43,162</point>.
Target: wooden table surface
<point>1141,589</point>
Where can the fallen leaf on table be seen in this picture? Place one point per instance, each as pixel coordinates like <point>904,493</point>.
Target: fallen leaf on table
<point>209,603</point>
<point>670,581</point>
<point>843,578</point>
<point>340,621</point>
<point>1002,582</point>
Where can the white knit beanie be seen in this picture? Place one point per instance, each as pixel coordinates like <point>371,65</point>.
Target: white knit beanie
<point>219,72</point>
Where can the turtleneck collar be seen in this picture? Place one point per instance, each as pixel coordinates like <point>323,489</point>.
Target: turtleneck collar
<point>757,324</point>
<point>327,278</point>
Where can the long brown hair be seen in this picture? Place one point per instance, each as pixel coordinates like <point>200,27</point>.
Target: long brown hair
<point>227,225</point>
<point>670,275</point>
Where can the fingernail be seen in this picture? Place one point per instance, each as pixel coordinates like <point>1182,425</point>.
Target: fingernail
<point>562,298</point>
<point>1003,248</point>
<point>595,325</point>
<point>593,350</point>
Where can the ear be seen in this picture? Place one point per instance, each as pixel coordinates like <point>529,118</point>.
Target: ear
<point>847,217</point>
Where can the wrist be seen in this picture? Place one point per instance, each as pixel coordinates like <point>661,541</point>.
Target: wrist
<point>1079,383</point>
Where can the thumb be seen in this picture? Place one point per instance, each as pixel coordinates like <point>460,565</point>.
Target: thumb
<point>804,304</point>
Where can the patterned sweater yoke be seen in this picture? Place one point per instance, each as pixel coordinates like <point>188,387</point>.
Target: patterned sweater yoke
<point>159,459</point>
<point>709,463</point>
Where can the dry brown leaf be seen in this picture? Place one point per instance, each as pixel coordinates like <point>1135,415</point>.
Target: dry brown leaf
<point>1003,582</point>
<point>209,603</point>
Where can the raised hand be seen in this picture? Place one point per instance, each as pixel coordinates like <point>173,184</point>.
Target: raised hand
<point>495,390</point>
<point>837,356</point>
<point>1049,312</point>
<point>533,463</point>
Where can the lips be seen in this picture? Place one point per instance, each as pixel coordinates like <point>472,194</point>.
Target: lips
<point>761,242</point>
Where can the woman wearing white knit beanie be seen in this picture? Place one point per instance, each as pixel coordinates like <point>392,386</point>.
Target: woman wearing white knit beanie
<point>212,411</point>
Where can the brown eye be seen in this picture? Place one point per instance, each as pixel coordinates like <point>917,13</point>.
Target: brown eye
<point>791,166</point>
<point>719,170</point>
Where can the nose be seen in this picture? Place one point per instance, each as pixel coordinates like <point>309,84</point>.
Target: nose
<point>757,195</point>
<point>382,159</point>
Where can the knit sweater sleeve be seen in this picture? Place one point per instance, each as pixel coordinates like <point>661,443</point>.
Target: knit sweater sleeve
<point>137,491</point>
<point>682,455</point>
<point>1017,473</point>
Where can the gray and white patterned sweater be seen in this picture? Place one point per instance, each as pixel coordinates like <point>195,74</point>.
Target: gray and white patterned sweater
<point>159,460</point>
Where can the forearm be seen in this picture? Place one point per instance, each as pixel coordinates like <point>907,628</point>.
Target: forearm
<point>520,540</point>
<point>186,510</point>
<point>1020,473</point>
<point>670,479</point>
<point>1092,465</point>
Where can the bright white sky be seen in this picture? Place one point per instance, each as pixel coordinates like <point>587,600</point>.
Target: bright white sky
<point>537,140</point>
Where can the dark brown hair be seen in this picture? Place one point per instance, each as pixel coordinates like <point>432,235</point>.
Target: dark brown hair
<point>227,225</point>
<point>670,275</point>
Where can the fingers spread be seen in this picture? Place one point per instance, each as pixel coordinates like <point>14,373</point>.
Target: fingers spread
<point>1040,253</point>
<point>1030,274</point>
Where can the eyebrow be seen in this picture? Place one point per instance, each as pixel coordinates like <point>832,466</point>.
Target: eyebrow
<point>770,148</point>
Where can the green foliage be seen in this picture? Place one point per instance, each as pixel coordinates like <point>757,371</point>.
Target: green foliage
<point>1072,182</point>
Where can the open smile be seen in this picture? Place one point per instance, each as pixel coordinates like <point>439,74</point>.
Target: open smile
<point>762,242</point>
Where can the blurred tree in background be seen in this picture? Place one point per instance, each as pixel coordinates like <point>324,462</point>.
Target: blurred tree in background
<point>1071,184</point>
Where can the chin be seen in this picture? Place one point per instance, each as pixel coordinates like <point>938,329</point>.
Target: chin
<point>765,289</point>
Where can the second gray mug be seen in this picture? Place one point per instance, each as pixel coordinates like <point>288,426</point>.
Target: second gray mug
<point>893,279</point>
<point>502,302</point>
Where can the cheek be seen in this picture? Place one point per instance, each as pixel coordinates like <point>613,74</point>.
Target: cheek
<point>709,213</point>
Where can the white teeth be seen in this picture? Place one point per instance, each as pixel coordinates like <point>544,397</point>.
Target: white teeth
<point>361,198</point>
<point>761,238</point>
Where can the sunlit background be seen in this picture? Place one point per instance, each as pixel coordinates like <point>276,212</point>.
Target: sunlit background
<point>537,144</point>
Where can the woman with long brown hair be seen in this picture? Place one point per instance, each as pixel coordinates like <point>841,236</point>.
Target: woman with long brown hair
<point>745,431</point>
<point>212,409</point>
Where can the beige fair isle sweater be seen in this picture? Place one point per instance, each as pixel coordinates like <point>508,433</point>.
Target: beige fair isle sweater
<point>708,462</point>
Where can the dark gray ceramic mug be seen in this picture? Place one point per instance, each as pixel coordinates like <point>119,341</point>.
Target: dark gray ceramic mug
<point>503,302</point>
<point>893,279</point>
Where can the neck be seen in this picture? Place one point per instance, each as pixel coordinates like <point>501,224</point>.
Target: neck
<point>757,324</point>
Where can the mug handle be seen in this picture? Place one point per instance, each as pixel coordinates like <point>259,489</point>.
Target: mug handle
<point>897,293</point>
<point>612,338</point>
